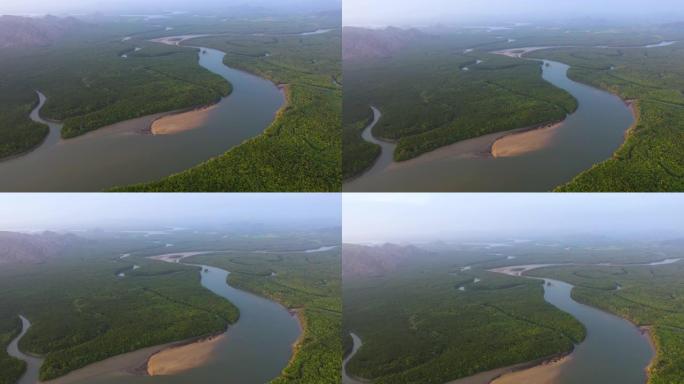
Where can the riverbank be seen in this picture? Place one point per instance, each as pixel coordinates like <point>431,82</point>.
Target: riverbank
<point>647,331</point>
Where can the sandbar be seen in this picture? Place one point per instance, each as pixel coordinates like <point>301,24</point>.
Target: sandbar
<point>181,122</point>
<point>545,373</point>
<point>174,360</point>
<point>517,144</point>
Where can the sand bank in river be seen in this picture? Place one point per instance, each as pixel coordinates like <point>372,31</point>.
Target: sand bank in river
<point>519,270</point>
<point>501,375</point>
<point>478,147</point>
<point>127,364</point>
<point>181,122</point>
<point>518,53</point>
<point>177,40</point>
<point>517,144</point>
<point>545,373</point>
<point>177,257</point>
<point>174,360</point>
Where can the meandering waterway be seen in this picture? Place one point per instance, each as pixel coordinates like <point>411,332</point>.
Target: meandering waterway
<point>124,153</point>
<point>254,350</point>
<point>357,343</point>
<point>614,350</point>
<point>33,363</point>
<point>586,137</point>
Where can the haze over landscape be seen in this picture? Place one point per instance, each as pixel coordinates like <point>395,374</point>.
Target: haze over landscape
<point>151,211</point>
<point>380,13</point>
<point>40,7</point>
<point>410,218</point>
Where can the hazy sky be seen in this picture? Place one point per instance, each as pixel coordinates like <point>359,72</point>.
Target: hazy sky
<point>426,217</point>
<point>90,210</point>
<point>419,12</point>
<point>86,6</point>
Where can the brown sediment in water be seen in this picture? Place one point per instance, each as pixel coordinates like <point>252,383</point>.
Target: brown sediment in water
<point>181,122</point>
<point>516,144</point>
<point>180,358</point>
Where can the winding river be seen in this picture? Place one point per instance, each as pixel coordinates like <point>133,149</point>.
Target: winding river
<point>586,137</point>
<point>357,343</point>
<point>387,148</point>
<point>122,154</point>
<point>32,363</point>
<point>254,350</point>
<point>614,351</point>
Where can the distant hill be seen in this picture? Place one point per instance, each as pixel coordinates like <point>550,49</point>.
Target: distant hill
<point>364,261</point>
<point>362,43</point>
<point>18,31</point>
<point>32,248</point>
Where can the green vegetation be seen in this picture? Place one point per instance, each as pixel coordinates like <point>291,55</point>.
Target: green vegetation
<point>422,119</point>
<point>308,283</point>
<point>417,326</point>
<point>428,100</point>
<point>81,312</point>
<point>651,158</point>
<point>88,86</point>
<point>300,151</point>
<point>648,296</point>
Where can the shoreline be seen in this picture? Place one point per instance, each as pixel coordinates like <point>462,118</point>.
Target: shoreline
<point>647,332</point>
<point>303,326</point>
